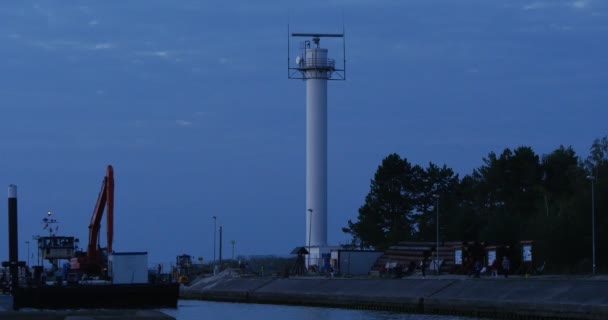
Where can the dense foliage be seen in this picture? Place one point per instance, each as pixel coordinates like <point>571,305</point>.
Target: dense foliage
<point>516,195</point>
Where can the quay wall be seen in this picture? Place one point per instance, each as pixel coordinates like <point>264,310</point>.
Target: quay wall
<point>512,298</point>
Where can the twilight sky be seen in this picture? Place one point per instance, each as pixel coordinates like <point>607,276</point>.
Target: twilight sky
<point>189,101</point>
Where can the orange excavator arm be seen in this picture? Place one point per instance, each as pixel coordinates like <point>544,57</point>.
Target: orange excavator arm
<point>105,198</point>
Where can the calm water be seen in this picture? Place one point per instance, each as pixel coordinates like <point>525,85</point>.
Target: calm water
<point>194,310</point>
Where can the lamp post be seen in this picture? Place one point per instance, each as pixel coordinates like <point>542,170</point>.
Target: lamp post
<point>37,238</point>
<point>214,236</point>
<point>309,234</point>
<point>592,178</point>
<point>233,243</point>
<point>28,253</point>
<point>436,196</point>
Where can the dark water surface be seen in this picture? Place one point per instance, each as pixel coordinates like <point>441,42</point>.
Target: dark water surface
<point>191,310</point>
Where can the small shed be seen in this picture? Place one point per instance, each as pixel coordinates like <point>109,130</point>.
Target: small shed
<point>354,262</point>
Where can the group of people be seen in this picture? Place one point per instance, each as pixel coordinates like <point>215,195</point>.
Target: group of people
<point>476,269</point>
<point>495,267</point>
<point>399,270</point>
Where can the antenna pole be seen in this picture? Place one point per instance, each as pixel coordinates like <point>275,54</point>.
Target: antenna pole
<point>344,46</point>
<point>288,51</point>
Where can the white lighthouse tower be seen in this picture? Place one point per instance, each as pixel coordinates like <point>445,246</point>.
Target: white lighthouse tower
<point>314,66</point>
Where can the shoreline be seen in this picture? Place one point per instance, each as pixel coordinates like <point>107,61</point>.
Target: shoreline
<point>543,297</point>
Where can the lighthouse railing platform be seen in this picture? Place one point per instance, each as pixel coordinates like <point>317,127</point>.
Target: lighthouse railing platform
<point>317,63</point>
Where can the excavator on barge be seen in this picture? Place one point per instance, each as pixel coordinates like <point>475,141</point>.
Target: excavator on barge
<point>99,277</point>
<point>94,262</point>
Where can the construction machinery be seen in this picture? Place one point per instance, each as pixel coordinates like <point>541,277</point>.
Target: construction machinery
<point>185,269</point>
<point>95,261</point>
<point>130,285</point>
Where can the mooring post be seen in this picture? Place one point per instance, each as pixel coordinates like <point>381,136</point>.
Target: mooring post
<point>13,245</point>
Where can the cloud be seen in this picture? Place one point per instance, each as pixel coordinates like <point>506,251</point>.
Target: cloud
<point>93,23</point>
<point>200,113</point>
<point>56,44</point>
<point>85,9</point>
<point>537,5</point>
<point>534,6</point>
<point>103,46</point>
<point>155,53</point>
<point>67,45</point>
<point>49,14</point>
<point>560,27</point>
<point>341,3</point>
<point>183,123</point>
<point>159,124</point>
<point>579,4</point>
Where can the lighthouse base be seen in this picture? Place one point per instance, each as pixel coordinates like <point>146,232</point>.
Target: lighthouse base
<point>319,258</point>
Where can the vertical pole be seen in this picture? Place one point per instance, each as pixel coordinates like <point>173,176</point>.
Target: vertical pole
<point>214,236</point>
<point>13,246</point>
<point>437,247</point>
<point>593,221</point>
<point>309,233</point>
<point>233,242</point>
<point>28,253</point>
<point>220,246</point>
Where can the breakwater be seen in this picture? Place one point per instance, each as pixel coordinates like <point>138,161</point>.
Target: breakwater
<point>512,298</point>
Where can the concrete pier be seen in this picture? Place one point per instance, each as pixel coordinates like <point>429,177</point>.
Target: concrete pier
<point>512,298</point>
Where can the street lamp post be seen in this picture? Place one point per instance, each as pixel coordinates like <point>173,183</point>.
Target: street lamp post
<point>38,251</point>
<point>28,253</point>
<point>592,178</point>
<point>309,234</point>
<point>233,243</point>
<point>214,236</point>
<point>437,233</point>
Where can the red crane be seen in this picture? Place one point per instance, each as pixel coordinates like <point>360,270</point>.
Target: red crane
<point>92,262</point>
<point>106,197</point>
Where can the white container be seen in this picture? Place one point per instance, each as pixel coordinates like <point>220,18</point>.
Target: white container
<point>128,267</point>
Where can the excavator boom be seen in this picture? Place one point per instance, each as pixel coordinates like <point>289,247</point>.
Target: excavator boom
<point>105,199</point>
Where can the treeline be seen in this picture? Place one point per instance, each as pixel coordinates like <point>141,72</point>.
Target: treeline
<point>516,195</point>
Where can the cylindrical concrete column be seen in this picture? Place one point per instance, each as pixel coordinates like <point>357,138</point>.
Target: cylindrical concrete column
<point>316,161</point>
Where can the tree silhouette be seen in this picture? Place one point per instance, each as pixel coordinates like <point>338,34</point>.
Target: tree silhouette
<point>514,196</point>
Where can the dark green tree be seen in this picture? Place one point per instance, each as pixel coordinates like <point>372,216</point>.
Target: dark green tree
<point>561,175</point>
<point>598,156</point>
<point>441,182</point>
<point>510,194</point>
<point>515,195</point>
<point>467,219</point>
<point>386,217</point>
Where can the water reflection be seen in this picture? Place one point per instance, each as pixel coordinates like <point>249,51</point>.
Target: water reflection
<point>191,310</point>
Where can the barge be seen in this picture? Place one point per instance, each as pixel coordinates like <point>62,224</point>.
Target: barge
<point>97,278</point>
<point>97,296</point>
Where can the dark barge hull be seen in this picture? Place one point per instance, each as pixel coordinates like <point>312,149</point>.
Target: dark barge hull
<point>115,296</point>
